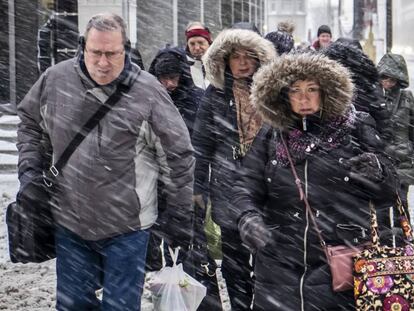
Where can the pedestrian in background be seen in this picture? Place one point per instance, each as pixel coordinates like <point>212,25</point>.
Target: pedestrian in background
<point>106,195</point>
<point>306,99</point>
<point>225,127</point>
<point>282,38</point>
<point>324,38</point>
<point>170,68</point>
<point>364,75</point>
<point>397,129</point>
<point>198,41</point>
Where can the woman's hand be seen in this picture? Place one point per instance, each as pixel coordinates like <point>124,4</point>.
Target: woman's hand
<point>365,166</point>
<point>253,231</point>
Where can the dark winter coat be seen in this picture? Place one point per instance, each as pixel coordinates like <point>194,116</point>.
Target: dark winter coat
<point>291,271</point>
<point>186,96</point>
<point>364,74</point>
<point>109,184</point>
<point>215,134</point>
<point>397,128</point>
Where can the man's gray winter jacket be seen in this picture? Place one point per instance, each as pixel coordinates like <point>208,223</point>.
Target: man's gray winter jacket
<point>109,185</point>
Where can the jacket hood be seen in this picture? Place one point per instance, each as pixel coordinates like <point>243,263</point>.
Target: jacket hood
<point>215,58</point>
<point>272,79</point>
<point>363,71</point>
<point>394,66</point>
<point>185,77</point>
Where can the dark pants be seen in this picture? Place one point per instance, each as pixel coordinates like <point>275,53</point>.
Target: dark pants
<point>236,270</point>
<point>115,264</point>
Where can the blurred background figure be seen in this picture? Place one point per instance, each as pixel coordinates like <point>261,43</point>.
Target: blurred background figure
<point>324,38</point>
<point>282,38</point>
<point>170,68</point>
<point>398,127</point>
<point>364,75</point>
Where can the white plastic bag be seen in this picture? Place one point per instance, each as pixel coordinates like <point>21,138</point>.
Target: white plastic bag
<point>173,289</point>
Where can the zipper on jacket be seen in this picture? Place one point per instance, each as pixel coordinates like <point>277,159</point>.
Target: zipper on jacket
<point>305,244</point>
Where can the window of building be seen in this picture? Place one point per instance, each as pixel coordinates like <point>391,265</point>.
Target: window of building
<point>300,6</point>
<point>287,6</point>
<point>273,6</point>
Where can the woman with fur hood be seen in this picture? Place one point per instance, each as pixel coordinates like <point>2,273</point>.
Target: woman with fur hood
<point>225,126</point>
<point>306,99</point>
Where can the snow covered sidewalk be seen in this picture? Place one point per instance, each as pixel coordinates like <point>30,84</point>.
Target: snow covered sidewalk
<point>28,287</point>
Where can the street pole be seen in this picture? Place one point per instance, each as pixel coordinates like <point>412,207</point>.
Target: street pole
<point>358,20</point>
<point>389,26</point>
<point>12,53</point>
<point>175,22</point>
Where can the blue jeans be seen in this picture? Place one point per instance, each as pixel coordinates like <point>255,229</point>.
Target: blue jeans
<point>115,264</point>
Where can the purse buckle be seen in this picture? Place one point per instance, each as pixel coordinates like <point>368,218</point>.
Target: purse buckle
<point>54,171</point>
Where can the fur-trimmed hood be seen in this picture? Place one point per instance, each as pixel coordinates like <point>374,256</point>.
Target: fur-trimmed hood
<point>215,58</point>
<point>271,79</point>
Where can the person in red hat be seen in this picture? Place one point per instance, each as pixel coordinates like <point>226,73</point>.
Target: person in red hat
<point>198,41</point>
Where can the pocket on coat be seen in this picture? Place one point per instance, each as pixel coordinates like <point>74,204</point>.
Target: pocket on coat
<point>352,233</point>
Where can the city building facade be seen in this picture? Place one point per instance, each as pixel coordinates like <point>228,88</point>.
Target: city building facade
<point>152,25</point>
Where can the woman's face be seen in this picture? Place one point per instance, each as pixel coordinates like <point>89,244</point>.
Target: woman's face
<point>305,97</point>
<point>243,64</point>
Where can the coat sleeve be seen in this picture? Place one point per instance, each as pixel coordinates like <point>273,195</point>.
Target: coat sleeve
<point>204,141</point>
<point>370,141</point>
<point>30,131</point>
<point>176,148</point>
<point>250,189</point>
<point>410,103</point>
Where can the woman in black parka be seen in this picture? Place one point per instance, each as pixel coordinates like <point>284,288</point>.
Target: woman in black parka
<point>225,127</point>
<point>307,99</point>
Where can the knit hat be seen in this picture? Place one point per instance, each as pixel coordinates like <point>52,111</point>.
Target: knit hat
<point>324,29</point>
<point>282,39</point>
<point>167,63</point>
<point>199,32</point>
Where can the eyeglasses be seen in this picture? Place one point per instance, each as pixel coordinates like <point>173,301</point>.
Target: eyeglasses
<point>388,79</point>
<point>110,55</point>
<point>297,92</point>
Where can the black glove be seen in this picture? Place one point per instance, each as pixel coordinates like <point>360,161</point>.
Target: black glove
<point>253,231</point>
<point>365,166</point>
<point>31,188</point>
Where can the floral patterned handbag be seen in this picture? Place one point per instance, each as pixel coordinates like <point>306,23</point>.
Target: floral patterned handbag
<point>384,275</point>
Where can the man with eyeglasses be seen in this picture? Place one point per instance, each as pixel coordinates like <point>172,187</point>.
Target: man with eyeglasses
<point>106,195</point>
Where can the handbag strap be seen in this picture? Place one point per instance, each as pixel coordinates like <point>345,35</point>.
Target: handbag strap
<point>303,196</point>
<point>404,223</point>
<point>86,129</point>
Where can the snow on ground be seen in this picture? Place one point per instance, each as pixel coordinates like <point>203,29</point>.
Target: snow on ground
<point>28,287</point>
